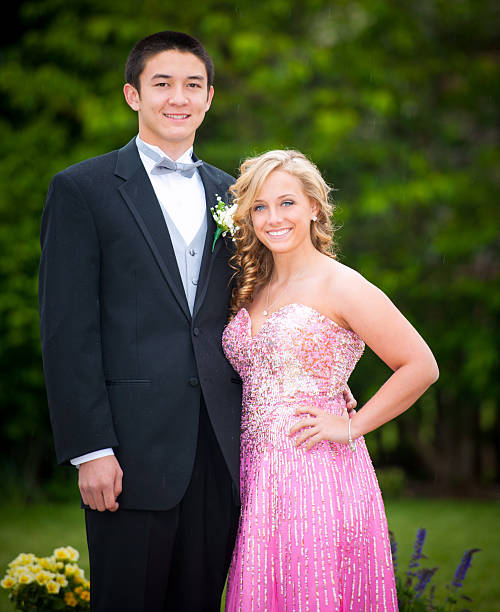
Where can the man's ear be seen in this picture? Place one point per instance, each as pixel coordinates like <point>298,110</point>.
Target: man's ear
<point>131,96</point>
<point>209,97</point>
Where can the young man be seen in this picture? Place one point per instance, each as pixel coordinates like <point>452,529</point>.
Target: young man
<point>133,303</point>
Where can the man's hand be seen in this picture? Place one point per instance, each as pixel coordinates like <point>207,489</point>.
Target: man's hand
<point>351,403</point>
<point>100,482</point>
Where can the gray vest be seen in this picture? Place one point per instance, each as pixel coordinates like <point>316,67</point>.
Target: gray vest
<point>188,256</point>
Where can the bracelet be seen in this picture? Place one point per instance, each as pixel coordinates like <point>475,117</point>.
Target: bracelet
<point>350,442</point>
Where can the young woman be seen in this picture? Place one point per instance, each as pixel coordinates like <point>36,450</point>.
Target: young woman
<point>313,531</point>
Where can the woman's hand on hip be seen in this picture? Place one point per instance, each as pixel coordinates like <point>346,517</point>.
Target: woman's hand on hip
<point>320,425</point>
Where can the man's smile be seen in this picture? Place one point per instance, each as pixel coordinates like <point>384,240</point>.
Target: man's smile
<point>176,116</point>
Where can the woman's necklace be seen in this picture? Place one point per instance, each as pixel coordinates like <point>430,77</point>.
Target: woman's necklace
<point>268,306</point>
<point>265,312</point>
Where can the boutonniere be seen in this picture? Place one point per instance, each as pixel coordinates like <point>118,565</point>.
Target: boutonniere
<point>223,217</point>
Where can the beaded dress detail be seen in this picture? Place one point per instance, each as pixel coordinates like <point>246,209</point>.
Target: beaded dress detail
<point>313,532</point>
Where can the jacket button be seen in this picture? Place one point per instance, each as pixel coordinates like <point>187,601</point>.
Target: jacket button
<point>196,332</point>
<point>194,382</point>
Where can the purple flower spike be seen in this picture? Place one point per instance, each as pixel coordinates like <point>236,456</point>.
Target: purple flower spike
<point>425,576</point>
<point>419,543</point>
<point>463,568</point>
<point>416,555</point>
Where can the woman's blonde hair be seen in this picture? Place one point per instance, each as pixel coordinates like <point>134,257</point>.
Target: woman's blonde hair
<point>252,261</point>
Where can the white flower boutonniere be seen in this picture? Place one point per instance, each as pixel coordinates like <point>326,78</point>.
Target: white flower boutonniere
<point>223,217</point>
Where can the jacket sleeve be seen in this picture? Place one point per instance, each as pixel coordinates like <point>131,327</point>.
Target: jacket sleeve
<point>70,323</point>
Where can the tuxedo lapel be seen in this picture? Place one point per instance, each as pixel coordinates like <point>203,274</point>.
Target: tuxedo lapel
<point>211,189</point>
<point>142,202</point>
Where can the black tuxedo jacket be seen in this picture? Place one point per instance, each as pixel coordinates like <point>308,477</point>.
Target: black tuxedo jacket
<point>125,363</point>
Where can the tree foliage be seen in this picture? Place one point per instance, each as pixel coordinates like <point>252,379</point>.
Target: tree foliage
<point>397,103</point>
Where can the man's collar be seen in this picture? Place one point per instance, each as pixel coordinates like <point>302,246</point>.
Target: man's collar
<point>185,158</point>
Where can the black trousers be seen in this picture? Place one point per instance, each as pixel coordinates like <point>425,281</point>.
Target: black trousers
<point>173,560</point>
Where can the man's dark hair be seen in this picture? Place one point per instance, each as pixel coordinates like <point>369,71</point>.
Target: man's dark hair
<point>164,41</point>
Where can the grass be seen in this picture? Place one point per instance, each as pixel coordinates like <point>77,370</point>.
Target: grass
<point>452,526</point>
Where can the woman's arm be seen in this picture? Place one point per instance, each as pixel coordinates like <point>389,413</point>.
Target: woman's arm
<point>375,319</point>
<point>366,310</point>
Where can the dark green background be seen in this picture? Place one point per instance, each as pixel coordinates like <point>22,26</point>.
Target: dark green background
<point>397,103</point>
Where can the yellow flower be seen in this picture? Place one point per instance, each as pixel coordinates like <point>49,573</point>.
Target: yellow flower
<point>66,553</point>
<point>79,576</point>
<point>23,571</point>
<point>73,554</point>
<point>52,587</point>
<point>48,563</point>
<point>26,577</point>
<point>8,582</point>
<point>34,568</point>
<point>85,596</point>
<point>23,559</point>
<point>78,590</point>
<point>61,580</point>
<point>42,577</point>
<point>61,554</point>
<point>59,565</point>
<point>70,600</point>
<point>70,569</point>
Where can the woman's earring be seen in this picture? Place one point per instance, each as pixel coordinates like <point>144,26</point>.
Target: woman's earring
<point>315,218</point>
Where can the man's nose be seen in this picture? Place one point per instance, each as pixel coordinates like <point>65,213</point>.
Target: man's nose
<point>177,95</point>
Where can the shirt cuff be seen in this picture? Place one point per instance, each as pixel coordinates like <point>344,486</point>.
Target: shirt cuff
<point>104,452</point>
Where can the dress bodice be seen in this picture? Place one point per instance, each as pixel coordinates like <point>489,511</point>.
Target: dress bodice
<point>298,352</point>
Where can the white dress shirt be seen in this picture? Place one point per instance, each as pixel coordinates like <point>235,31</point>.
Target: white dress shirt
<point>183,199</point>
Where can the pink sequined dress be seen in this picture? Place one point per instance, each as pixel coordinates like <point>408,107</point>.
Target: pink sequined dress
<point>313,532</point>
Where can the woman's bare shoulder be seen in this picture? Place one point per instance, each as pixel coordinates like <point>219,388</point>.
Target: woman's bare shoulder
<point>341,277</point>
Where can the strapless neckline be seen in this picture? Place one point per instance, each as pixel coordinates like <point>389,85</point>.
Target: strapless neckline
<point>285,307</point>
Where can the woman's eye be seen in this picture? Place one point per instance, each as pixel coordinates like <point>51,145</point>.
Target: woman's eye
<point>258,207</point>
<point>287,203</point>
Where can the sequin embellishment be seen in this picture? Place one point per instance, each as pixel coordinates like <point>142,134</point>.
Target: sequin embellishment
<point>313,532</point>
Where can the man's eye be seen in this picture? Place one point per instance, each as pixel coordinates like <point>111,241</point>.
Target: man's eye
<point>161,84</point>
<point>194,85</point>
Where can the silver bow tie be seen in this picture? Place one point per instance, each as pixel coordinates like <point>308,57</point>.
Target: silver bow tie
<point>166,165</point>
